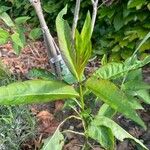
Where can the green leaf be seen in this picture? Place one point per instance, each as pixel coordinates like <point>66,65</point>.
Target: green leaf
<point>135,75</point>
<point>118,21</point>
<point>135,3</point>
<point>135,85</point>
<point>148,6</point>
<point>144,94</point>
<point>65,41</point>
<point>40,74</point>
<point>114,97</point>
<point>55,142</point>
<point>115,70</point>
<point>21,20</point>
<point>143,41</point>
<point>83,46</point>
<point>134,102</point>
<point>17,42</point>
<point>106,11</point>
<point>5,17</point>
<point>106,110</point>
<point>145,46</point>
<point>4,9</point>
<point>35,34</point>
<point>35,91</point>
<point>116,48</point>
<point>16,39</point>
<point>83,53</point>
<point>21,31</point>
<point>103,135</point>
<point>86,30</point>
<point>4,36</point>
<point>118,131</point>
<point>16,48</point>
<point>110,70</point>
<point>51,7</point>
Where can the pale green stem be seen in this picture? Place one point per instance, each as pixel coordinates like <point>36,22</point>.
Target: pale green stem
<point>75,132</point>
<point>81,95</point>
<point>68,119</point>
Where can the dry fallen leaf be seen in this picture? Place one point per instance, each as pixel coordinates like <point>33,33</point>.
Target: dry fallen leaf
<point>47,122</point>
<point>59,106</point>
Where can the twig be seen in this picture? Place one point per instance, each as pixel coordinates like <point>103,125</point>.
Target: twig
<point>75,132</point>
<point>68,118</point>
<point>76,17</point>
<point>90,145</point>
<point>95,8</point>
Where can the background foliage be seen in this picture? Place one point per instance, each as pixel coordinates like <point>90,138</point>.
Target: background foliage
<point>120,25</point>
<point>120,28</point>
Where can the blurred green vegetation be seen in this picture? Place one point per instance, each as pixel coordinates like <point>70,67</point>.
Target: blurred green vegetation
<point>120,25</point>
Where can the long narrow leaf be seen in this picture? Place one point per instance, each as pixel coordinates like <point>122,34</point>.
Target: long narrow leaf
<point>118,132</point>
<point>114,70</point>
<point>5,17</point>
<point>35,91</point>
<point>114,97</point>
<point>55,142</point>
<point>83,45</point>
<point>103,135</point>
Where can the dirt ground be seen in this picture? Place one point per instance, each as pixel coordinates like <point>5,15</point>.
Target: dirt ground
<point>50,115</point>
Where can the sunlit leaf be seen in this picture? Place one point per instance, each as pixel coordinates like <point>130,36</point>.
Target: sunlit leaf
<point>55,142</point>
<point>35,34</point>
<point>106,110</point>
<point>144,95</point>
<point>65,41</point>
<point>117,131</point>
<point>114,70</point>
<point>103,135</point>
<point>36,73</point>
<point>114,97</point>
<point>35,91</point>
<point>134,3</point>
<point>21,20</point>
<point>4,36</point>
<point>5,17</point>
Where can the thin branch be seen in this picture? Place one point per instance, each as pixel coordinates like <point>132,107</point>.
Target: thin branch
<point>90,145</point>
<point>76,17</point>
<point>95,8</point>
<point>101,5</point>
<point>75,132</point>
<point>66,119</point>
<point>51,45</point>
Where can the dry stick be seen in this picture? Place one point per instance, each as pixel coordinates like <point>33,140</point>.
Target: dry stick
<point>76,17</point>
<point>51,47</point>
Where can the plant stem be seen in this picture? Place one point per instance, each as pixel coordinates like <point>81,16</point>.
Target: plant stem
<point>70,117</point>
<point>51,45</point>
<point>81,95</point>
<point>95,7</point>
<point>75,132</point>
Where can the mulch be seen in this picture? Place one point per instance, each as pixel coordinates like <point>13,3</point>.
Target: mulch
<point>33,55</point>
